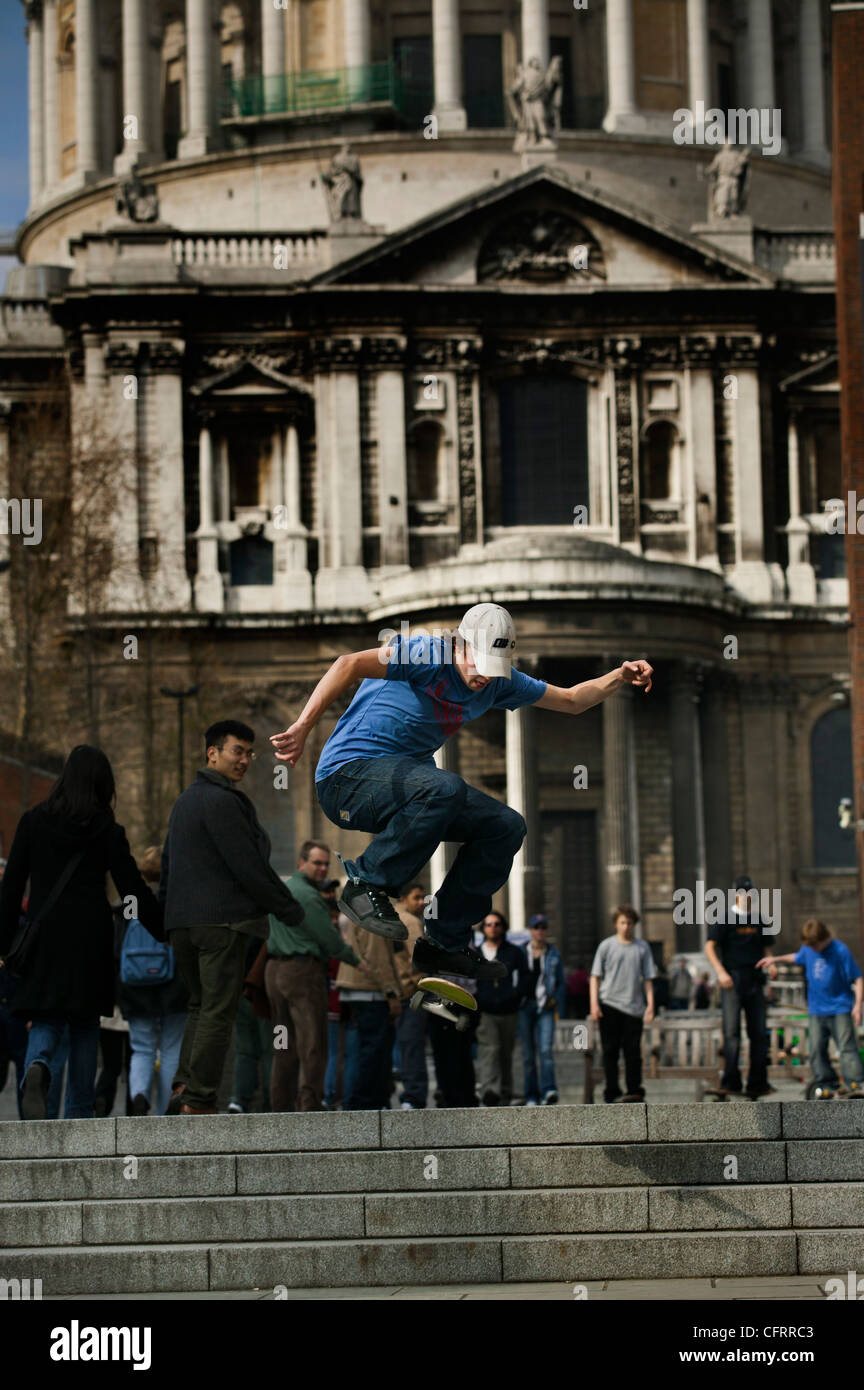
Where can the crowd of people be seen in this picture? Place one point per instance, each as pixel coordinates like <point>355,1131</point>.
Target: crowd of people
<point>208,945</point>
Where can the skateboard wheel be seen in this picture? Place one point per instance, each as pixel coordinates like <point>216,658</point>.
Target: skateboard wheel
<point>416,1000</point>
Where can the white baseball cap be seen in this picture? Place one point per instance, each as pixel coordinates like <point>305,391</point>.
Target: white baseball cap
<point>491,633</point>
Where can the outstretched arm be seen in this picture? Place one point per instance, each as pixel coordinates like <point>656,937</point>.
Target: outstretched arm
<point>355,666</point>
<point>580,697</point>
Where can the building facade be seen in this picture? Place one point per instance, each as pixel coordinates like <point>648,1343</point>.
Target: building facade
<point>400,307</point>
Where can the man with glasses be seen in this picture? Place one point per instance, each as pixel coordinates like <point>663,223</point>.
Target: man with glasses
<point>499,1002</point>
<point>217,889</point>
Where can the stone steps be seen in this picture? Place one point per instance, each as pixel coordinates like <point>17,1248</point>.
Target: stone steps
<point>573,1193</point>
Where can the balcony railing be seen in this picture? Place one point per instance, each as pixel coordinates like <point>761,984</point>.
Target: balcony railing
<point>293,93</point>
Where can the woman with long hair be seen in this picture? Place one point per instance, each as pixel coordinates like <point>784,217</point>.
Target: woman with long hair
<point>68,976</point>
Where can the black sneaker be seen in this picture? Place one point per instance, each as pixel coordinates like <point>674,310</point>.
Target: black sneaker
<point>434,960</point>
<point>371,909</point>
<point>34,1092</point>
<point>140,1105</point>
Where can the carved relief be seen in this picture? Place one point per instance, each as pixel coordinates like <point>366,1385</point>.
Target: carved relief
<point>541,247</point>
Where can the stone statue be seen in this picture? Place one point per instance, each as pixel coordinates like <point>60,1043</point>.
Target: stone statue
<point>136,200</point>
<point>535,104</point>
<point>344,184</point>
<point>729,172</point>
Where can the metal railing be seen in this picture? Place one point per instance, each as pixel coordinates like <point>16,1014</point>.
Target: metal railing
<point>295,92</point>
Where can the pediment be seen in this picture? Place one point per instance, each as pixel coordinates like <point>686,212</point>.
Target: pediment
<point>240,374</point>
<point>544,229</point>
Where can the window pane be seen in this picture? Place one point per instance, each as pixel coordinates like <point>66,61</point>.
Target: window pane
<point>412,61</point>
<point>544,450</point>
<point>482,80</point>
<point>251,561</point>
<point>831,768</point>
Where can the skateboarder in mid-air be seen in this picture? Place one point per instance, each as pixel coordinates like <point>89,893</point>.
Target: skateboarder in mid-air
<point>377,773</point>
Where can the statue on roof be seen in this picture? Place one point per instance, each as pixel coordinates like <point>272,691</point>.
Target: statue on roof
<point>344,184</point>
<point>137,200</point>
<point>729,175</point>
<point>535,105</point>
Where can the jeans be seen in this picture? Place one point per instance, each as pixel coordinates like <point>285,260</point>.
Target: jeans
<point>46,1035</point>
<point>411,1034</point>
<point>147,1036</point>
<point>253,1057</point>
<point>454,1065</point>
<point>841,1028</point>
<point>212,961</point>
<point>412,806</point>
<point>620,1032</point>
<point>537,1032</point>
<point>748,994</point>
<point>370,1083</point>
<point>58,1069</point>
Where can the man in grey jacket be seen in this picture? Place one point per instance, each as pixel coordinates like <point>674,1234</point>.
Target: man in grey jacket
<point>217,889</point>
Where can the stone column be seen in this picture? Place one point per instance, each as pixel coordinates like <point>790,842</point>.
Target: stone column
<point>688,828</point>
<point>760,45</point>
<point>272,40</point>
<point>199,137</point>
<point>812,81</point>
<point>439,864</point>
<point>535,31</point>
<point>620,804</point>
<point>292,581</point>
<point>717,691</point>
<point>341,581</point>
<point>701,450</point>
<point>107,119</point>
<point>800,575</point>
<point>750,575</point>
<point>36,100</point>
<point>136,83</point>
<point>698,53</point>
<point>357,33</point>
<point>524,886</point>
<point>156,134</point>
<point>209,588</point>
<point>51,87</point>
<point>170,588</point>
<point>86,84</point>
<point>622,113</point>
<point>392,468</point>
<point>447,61</point>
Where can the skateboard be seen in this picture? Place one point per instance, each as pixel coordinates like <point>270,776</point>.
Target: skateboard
<point>446,1000</point>
<point>819,1091</point>
<point>717,1093</point>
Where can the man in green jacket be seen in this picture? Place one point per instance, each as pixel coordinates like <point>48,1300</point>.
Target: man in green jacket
<point>296,982</point>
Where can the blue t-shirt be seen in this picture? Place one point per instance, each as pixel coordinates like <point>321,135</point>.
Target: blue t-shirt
<point>829,978</point>
<point>420,703</point>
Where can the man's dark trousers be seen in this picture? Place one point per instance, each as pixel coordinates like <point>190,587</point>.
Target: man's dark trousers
<point>620,1032</point>
<point>212,961</point>
<point>376,1034</point>
<point>297,990</point>
<point>747,993</point>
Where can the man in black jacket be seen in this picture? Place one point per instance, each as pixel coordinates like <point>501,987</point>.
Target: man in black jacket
<point>498,1002</point>
<point>218,888</point>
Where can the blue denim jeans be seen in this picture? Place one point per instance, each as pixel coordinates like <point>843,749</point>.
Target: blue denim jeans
<point>411,1036</point>
<point>45,1037</point>
<point>841,1028</point>
<point>411,807</point>
<point>147,1036</point>
<point>58,1071</point>
<point>537,1033</point>
<point>340,1031</point>
<point>368,1088</point>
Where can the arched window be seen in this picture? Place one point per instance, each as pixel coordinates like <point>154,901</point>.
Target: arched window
<point>831,780</point>
<point>655,463</point>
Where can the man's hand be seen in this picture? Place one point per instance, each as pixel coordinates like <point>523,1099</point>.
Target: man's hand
<point>856,1015</point>
<point>649,1014</point>
<point>637,673</point>
<point>361,965</point>
<point>725,981</point>
<point>289,746</point>
<point>596,1013</point>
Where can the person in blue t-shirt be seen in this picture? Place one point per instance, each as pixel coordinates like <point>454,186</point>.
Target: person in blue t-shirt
<point>834,996</point>
<point>377,773</point>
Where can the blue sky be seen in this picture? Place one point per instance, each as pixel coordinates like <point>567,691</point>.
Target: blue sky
<point>13,114</point>
<point>14,174</point>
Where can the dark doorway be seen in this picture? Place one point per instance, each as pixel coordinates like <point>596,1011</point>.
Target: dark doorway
<point>544,450</point>
<point>412,64</point>
<point>570,897</point>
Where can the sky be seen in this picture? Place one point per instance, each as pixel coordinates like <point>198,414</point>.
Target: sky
<point>14,175</point>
